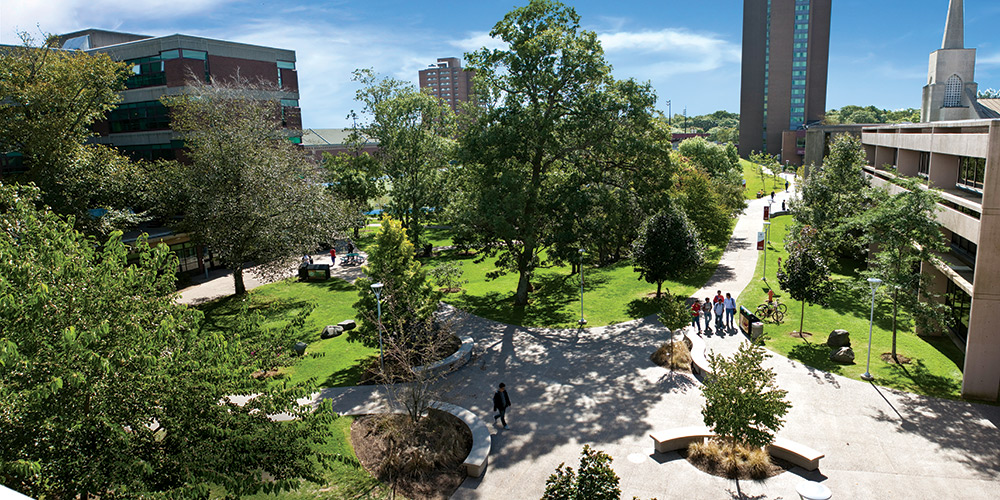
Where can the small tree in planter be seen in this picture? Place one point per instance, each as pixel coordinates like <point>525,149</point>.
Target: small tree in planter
<point>743,404</point>
<point>596,480</point>
<point>673,315</point>
<point>448,276</point>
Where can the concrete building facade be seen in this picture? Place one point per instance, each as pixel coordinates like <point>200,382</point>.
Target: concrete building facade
<point>140,126</point>
<point>786,45</point>
<point>448,81</point>
<point>961,161</point>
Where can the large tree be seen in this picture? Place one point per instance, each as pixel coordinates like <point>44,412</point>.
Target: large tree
<point>833,193</point>
<point>51,97</point>
<point>667,247</point>
<point>902,232</point>
<point>551,110</point>
<point>108,390</point>
<point>253,196</point>
<point>805,275</point>
<point>414,131</point>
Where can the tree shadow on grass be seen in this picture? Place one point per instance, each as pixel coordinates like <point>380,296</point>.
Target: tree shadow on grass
<point>220,314</point>
<point>348,376</point>
<point>917,376</point>
<point>815,356</point>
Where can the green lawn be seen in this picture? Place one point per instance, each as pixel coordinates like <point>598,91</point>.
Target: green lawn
<point>936,366</point>
<point>612,294</point>
<point>754,184</point>
<point>332,362</point>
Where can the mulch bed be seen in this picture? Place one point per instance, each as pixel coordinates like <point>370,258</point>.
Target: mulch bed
<point>800,335</point>
<point>448,437</point>
<point>716,469</point>
<point>887,357</point>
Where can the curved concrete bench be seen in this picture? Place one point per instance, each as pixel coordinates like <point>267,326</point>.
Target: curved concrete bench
<point>451,363</point>
<point>475,462</point>
<point>798,454</point>
<point>699,362</point>
<point>676,439</point>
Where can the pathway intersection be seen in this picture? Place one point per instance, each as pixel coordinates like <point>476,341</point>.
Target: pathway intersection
<point>596,386</point>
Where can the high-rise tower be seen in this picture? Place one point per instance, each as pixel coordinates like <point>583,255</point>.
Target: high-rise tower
<point>786,46</point>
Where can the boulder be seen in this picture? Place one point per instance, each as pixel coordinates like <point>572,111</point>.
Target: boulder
<point>842,355</point>
<point>331,331</point>
<point>839,338</point>
<point>347,324</point>
<point>299,348</point>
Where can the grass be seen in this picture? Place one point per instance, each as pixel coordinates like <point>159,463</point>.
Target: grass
<point>612,294</point>
<point>936,366</point>
<point>754,184</point>
<point>332,362</point>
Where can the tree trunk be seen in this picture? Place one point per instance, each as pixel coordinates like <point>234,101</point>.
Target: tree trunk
<point>521,296</point>
<point>894,309</point>
<point>802,320</point>
<point>238,280</point>
<point>659,285</point>
<point>357,232</point>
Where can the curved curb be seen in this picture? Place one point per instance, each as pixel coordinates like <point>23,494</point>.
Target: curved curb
<point>458,359</point>
<point>699,362</point>
<point>478,457</point>
<point>785,449</point>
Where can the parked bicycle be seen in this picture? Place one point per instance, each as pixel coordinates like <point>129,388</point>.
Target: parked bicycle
<point>773,310</point>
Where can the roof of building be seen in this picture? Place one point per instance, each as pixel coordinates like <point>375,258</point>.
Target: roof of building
<point>991,107</point>
<point>327,137</point>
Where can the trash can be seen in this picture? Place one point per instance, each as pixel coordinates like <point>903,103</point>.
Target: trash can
<point>756,330</point>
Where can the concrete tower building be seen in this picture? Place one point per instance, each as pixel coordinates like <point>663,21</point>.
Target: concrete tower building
<point>950,93</point>
<point>786,45</point>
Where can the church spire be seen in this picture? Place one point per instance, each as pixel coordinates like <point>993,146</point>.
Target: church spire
<point>954,29</point>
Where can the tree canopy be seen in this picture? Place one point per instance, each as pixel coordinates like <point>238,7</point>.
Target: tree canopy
<point>252,195</point>
<point>552,116</point>
<point>870,114</point>
<point>805,275</point>
<point>667,247</point>
<point>109,389</point>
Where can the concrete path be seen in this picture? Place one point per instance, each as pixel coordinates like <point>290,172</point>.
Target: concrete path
<point>597,386</point>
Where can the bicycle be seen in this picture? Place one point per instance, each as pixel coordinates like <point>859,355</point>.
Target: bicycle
<point>775,311</point>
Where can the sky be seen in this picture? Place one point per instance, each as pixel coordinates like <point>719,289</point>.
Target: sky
<point>688,49</point>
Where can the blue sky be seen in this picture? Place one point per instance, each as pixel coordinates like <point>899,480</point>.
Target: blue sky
<point>689,50</point>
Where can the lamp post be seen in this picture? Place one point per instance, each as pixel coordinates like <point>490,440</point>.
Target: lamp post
<point>670,116</point>
<point>767,231</point>
<point>377,288</point>
<point>582,321</point>
<point>874,283</point>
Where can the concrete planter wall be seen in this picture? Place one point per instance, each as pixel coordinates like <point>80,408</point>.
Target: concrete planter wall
<point>458,359</point>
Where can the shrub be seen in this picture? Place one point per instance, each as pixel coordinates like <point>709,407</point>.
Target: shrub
<point>595,481</point>
<point>675,355</point>
<point>730,460</point>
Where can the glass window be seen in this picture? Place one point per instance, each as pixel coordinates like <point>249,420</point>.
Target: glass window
<point>139,116</point>
<point>170,54</point>
<point>924,164</point>
<point>953,92</point>
<point>960,304</point>
<point>195,54</point>
<point>286,65</point>
<point>971,173</point>
<point>292,103</point>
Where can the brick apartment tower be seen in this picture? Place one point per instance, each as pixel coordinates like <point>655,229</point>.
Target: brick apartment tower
<point>448,81</point>
<point>786,46</point>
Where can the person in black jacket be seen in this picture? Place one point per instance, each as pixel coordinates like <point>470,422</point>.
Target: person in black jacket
<point>501,401</point>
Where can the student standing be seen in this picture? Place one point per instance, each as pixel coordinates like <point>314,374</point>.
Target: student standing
<point>706,308</point>
<point>730,304</point>
<point>696,315</point>
<point>501,401</point>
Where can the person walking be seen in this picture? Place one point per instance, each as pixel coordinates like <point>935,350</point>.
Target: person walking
<point>730,304</point>
<point>501,401</point>
<point>333,255</point>
<point>706,309</point>
<point>696,315</point>
<point>786,184</point>
<point>719,311</point>
<point>772,195</point>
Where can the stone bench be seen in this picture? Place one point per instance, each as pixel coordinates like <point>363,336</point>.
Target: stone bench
<point>680,438</point>
<point>699,362</point>
<point>798,454</point>
<point>451,363</point>
<point>475,462</point>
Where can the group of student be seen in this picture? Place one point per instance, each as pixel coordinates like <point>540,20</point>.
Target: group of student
<point>724,309</point>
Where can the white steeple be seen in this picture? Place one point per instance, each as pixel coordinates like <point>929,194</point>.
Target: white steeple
<point>954,28</point>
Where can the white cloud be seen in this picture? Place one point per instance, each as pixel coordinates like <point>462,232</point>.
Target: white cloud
<point>670,51</point>
<point>63,16</point>
<point>477,40</point>
<point>993,60</point>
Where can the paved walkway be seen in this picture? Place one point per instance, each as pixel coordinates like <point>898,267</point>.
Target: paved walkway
<point>597,386</point>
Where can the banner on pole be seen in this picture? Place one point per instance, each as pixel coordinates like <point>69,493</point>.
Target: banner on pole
<point>760,240</point>
<point>767,212</point>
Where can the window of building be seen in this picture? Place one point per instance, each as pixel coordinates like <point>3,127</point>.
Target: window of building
<point>802,17</point>
<point>971,172</point>
<point>150,152</point>
<point>799,64</point>
<point>284,64</point>
<point>139,116</point>
<point>201,55</point>
<point>798,100</point>
<point>170,54</point>
<point>802,36</point>
<point>953,92</point>
<point>798,91</point>
<point>291,103</point>
<point>964,249</point>
<point>146,72</point>
<point>802,26</point>
<point>924,164</point>
<point>801,54</point>
<point>960,305</point>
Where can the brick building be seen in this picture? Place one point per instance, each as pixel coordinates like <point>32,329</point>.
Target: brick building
<point>447,80</point>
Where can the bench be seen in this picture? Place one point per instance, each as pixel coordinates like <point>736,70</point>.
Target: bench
<point>680,438</point>
<point>475,462</point>
<point>699,363</point>
<point>796,453</point>
<point>458,359</point>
